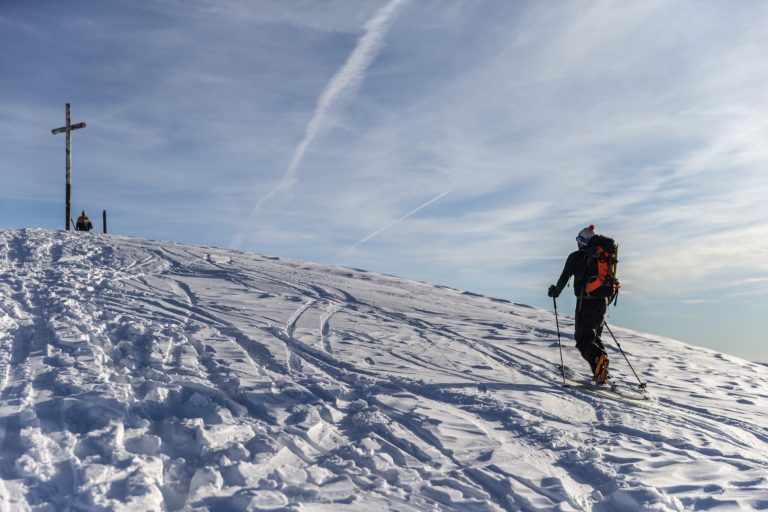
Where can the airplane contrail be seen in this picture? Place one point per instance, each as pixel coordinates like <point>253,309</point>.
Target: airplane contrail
<point>346,79</point>
<point>401,219</point>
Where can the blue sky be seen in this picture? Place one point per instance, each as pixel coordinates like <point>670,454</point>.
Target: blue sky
<point>463,143</point>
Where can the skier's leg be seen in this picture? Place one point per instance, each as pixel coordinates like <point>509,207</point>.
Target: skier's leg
<point>588,319</point>
<point>601,307</point>
<point>600,369</point>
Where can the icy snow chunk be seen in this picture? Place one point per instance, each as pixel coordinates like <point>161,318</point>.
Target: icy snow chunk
<point>65,333</point>
<point>337,489</point>
<point>443,494</point>
<point>247,500</point>
<point>174,489</point>
<point>82,417</point>
<point>291,475</point>
<point>237,452</point>
<point>185,436</point>
<point>643,498</point>
<point>153,374</point>
<point>198,406</point>
<point>261,443</point>
<point>205,481</point>
<point>95,473</point>
<point>331,414</point>
<point>137,422</point>
<point>157,394</point>
<point>319,475</point>
<point>221,436</point>
<point>145,444</point>
<point>253,475</point>
<point>26,466</point>
<point>369,446</point>
<point>27,418</point>
<point>370,418</point>
<point>408,479</point>
<point>61,360</point>
<point>303,414</point>
<point>143,487</point>
<point>223,415</point>
<point>220,259</point>
<point>136,329</point>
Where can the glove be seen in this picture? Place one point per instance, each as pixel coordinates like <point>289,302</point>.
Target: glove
<point>552,292</point>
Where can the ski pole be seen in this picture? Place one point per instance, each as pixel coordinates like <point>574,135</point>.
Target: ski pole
<point>642,384</point>
<point>557,324</point>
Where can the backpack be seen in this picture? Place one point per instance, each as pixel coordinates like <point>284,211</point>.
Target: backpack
<point>601,258</point>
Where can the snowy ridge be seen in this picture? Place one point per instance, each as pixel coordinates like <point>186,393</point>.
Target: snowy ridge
<point>141,375</point>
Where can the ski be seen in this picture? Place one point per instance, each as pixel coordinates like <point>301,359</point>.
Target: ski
<point>614,390</point>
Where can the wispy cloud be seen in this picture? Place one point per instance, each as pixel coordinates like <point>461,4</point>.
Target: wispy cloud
<point>401,219</point>
<point>751,281</point>
<point>695,302</point>
<point>343,83</point>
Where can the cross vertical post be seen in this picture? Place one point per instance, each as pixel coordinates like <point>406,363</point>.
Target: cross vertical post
<point>68,198</point>
<point>68,130</point>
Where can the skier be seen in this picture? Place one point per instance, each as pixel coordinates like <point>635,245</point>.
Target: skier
<point>83,223</point>
<point>590,311</point>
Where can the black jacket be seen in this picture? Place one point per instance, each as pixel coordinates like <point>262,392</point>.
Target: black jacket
<point>83,223</point>
<point>574,266</point>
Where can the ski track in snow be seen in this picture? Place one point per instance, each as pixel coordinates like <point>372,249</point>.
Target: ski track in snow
<point>142,375</point>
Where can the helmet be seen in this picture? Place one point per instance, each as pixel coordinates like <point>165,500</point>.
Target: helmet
<point>585,234</point>
<point>83,212</point>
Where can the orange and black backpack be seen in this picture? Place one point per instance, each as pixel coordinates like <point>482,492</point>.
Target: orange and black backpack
<point>601,258</point>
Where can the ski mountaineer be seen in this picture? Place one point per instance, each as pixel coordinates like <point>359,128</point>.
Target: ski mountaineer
<point>83,223</point>
<point>590,311</point>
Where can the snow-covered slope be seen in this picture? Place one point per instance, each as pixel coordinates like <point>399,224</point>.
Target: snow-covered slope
<point>142,375</point>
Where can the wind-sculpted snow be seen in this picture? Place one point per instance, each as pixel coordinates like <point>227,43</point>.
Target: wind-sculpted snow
<point>140,375</point>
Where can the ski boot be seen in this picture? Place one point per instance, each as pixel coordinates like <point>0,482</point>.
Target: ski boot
<point>601,369</point>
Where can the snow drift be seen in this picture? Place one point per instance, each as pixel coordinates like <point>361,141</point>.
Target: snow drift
<point>143,375</point>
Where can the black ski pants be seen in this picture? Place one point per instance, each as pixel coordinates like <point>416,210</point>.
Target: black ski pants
<point>590,314</point>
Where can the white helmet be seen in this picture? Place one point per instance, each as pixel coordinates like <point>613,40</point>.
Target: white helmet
<point>585,234</point>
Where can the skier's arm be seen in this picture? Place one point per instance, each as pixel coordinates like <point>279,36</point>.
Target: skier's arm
<point>568,270</point>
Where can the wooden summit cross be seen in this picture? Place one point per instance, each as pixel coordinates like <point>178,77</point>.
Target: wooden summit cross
<point>68,129</point>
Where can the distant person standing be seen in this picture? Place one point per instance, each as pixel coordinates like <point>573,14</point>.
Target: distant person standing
<point>593,268</point>
<point>83,223</point>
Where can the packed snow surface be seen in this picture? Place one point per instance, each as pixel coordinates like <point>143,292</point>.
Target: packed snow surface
<point>144,375</point>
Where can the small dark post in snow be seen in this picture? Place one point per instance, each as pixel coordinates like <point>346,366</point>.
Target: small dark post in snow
<point>104,221</point>
<point>68,130</point>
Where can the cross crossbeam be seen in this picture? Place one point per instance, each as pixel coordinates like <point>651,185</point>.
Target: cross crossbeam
<point>64,128</point>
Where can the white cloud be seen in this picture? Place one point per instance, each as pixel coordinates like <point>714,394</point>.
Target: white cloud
<point>397,221</point>
<point>344,82</point>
